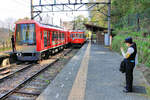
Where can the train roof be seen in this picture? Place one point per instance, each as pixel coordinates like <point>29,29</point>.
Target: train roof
<point>41,24</point>
<point>26,22</point>
<point>52,26</point>
<point>77,30</point>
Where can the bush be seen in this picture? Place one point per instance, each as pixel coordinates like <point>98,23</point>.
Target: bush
<point>143,45</point>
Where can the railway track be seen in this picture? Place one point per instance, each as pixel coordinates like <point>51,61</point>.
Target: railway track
<point>34,83</point>
<point>14,70</point>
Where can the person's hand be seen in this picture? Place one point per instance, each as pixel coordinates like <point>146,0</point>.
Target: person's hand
<point>121,48</point>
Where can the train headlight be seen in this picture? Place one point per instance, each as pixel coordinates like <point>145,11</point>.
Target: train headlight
<point>19,54</point>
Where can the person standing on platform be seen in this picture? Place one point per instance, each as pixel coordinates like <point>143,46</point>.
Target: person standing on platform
<point>13,43</point>
<point>130,58</point>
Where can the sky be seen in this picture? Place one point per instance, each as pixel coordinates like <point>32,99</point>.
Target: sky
<point>15,9</point>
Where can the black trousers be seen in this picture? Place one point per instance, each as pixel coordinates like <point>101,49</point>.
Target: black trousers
<point>13,47</point>
<point>129,75</point>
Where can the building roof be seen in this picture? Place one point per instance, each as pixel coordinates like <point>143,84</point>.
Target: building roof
<point>95,28</point>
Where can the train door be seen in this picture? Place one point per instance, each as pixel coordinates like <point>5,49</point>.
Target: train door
<point>42,45</point>
<point>63,37</point>
<point>56,38</point>
<point>53,38</point>
<point>60,39</point>
<point>48,38</point>
<point>45,39</point>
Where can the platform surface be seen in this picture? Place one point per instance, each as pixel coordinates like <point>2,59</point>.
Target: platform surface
<point>93,74</point>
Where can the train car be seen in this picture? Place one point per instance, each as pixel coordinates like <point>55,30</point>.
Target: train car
<point>35,41</point>
<point>77,38</point>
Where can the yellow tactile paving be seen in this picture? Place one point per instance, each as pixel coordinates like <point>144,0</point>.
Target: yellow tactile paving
<point>78,89</point>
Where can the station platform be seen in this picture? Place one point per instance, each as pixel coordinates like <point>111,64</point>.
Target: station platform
<point>93,74</point>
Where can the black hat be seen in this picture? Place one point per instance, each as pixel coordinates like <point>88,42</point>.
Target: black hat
<point>128,40</point>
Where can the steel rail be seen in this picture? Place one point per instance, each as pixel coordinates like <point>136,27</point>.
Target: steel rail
<point>12,74</point>
<point>4,96</point>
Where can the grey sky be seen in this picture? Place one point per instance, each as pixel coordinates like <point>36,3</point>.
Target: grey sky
<point>15,9</point>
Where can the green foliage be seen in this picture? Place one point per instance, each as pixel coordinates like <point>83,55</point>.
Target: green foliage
<point>135,13</point>
<point>47,81</point>
<point>128,16</point>
<point>98,16</point>
<point>143,45</point>
<point>79,22</point>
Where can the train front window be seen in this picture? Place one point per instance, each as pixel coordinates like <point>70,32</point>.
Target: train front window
<point>25,34</point>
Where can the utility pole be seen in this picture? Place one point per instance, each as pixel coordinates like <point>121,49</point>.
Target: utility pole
<point>31,9</point>
<point>109,21</point>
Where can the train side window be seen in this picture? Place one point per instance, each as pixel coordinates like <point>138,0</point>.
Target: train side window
<point>60,37</point>
<point>63,36</point>
<point>70,35</point>
<point>48,38</point>
<point>80,35</point>
<point>56,35</point>
<point>45,38</point>
<point>53,36</point>
<point>60,34</point>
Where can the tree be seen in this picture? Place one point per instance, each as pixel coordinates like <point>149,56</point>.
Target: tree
<point>125,8</point>
<point>98,16</point>
<point>79,22</point>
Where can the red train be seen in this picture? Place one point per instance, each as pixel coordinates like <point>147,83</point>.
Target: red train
<point>77,38</point>
<point>35,41</point>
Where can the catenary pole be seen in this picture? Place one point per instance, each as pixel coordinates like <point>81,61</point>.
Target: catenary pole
<point>31,9</point>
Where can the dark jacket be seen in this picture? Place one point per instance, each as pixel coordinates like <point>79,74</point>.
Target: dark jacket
<point>133,55</point>
<point>123,66</point>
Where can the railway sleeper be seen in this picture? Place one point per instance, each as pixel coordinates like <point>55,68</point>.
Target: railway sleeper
<point>16,97</point>
<point>28,93</point>
<point>34,87</point>
<point>37,84</point>
<point>5,72</point>
<point>28,90</point>
<point>4,68</point>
